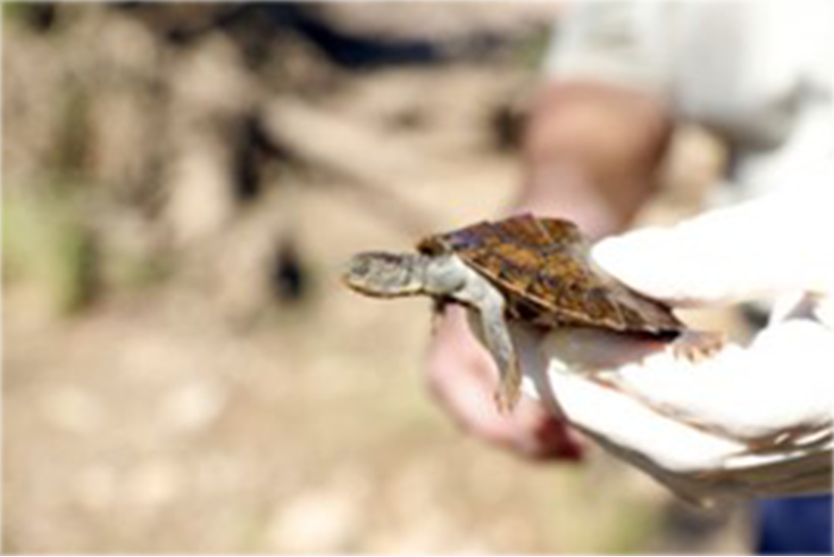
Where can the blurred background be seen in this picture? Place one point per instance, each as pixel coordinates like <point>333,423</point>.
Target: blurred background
<point>183,371</point>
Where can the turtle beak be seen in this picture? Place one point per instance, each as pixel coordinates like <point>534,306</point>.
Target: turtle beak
<point>381,275</point>
<point>357,271</point>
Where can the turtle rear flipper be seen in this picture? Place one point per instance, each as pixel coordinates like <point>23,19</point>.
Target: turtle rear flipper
<point>696,346</point>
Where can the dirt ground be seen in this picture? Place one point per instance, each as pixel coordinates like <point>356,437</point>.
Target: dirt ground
<point>186,415</point>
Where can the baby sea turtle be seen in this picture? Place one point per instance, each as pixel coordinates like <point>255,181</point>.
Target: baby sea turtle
<point>535,270</point>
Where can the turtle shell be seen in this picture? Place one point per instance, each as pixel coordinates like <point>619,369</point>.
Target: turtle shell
<point>543,268</point>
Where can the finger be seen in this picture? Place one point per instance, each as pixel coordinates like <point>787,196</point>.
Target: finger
<point>467,394</point>
<point>694,461</point>
<point>633,430</point>
<point>463,378</point>
<point>554,438</point>
<point>776,243</point>
<point>529,430</point>
<point>781,383</point>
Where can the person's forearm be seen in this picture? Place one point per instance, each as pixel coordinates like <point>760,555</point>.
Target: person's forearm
<point>591,153</point>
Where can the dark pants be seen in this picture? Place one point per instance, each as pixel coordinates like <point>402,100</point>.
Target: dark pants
<point>797,526</point>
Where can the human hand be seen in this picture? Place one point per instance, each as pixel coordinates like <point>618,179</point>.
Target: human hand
<point>753,420</point>
<point>463,377</point>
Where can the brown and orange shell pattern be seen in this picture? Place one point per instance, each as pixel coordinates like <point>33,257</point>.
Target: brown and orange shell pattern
<point>543,268</point>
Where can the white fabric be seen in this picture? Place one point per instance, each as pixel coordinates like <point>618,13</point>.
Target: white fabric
<point>754,420</point>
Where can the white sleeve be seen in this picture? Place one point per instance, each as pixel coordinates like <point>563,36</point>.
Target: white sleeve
<point>612,42</point>
<point>748,70</point>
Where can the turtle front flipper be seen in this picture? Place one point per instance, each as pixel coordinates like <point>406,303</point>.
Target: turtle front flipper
<point>497,338</point>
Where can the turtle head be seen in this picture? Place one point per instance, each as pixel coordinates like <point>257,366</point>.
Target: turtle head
<point>386,275</point>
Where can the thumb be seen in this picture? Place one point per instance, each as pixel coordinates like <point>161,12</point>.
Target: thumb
<point>769,245</point>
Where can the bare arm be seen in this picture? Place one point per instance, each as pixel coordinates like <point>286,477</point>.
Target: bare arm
<point>590,154</point>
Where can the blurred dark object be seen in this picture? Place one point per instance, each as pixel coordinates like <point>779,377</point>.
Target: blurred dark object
<point>254,28</point>
<point>255,150</point>
<point>40,17</point>
<point>257,29</point>
<point>507,125</point>
<point>289,276</point>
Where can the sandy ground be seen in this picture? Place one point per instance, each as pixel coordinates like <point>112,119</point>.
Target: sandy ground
<point>157,421</point>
